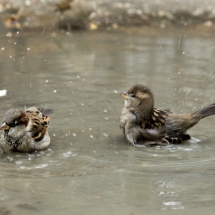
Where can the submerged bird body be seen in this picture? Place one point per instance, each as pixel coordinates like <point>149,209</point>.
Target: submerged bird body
<point>141,122</point>
<point>24,130</point>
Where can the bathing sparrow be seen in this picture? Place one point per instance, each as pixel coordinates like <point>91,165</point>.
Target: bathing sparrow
<point>144,125</point>
<point>24,130</point>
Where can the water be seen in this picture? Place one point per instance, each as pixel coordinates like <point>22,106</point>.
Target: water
<point>89,168</point>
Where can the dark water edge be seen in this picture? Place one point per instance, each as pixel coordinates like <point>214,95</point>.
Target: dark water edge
<point>100,14</point>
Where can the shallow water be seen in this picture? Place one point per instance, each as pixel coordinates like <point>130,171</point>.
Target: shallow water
<point>89,168</point>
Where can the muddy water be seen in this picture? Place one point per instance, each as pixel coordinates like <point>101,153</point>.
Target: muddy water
<point>89,168</point>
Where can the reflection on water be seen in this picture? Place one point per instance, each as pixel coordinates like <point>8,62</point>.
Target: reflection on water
<point>89,168</point>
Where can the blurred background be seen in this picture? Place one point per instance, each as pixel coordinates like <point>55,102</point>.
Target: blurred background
<point>105,14</point>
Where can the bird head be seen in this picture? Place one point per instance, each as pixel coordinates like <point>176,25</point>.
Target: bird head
<point>138,97</point>
<point>34,111</point>
<point>14,118</point>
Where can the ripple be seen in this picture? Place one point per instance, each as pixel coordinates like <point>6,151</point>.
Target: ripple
<point>41,166</point>
<point>171,203</point>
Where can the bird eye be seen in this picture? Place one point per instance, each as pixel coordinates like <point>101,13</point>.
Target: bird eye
<point>37,112</point>
<point>132,95</point>
<point>15,122</point>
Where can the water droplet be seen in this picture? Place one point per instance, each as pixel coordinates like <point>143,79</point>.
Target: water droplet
<point>171,203</point>
<point>66,155</point>
<point>28,49</point>
<point>41,166</point>
<point>183,52</point>
<point>2,48</point>
<point>28,2</point>
<point>91,136</point>
<point>3,93</point>
<point>105,111</point>
<point>47,81</point>
<point>55,91</point>
<point>9,34</point>
<point>74,134</point>
<point>54,135</point>
<point>18,162</point>
<point>115,91</point>
<point>106,135</point>
<point>10,158</point>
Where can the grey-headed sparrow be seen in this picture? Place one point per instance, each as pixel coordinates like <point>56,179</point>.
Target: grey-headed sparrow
<point>24,130</point>
<point>141,123</point>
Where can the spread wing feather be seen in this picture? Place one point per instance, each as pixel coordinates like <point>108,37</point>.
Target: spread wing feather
<point>157,118</point>
<point>40,123</point>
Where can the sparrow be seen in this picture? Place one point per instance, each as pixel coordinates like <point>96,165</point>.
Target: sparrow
<point>63,5</point>
<point>13,21</point>
<point>24,130</point>
<point>143,125</point>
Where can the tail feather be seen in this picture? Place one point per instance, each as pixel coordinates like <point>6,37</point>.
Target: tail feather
<point>205,112</point>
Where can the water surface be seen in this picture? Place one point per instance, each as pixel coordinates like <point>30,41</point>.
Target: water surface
<point>89,167</point>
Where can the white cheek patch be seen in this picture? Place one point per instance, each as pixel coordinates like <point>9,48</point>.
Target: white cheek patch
<point>126,102</point>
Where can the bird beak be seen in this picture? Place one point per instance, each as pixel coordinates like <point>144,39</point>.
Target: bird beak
<point>4,126</point>
<point>124,95</point>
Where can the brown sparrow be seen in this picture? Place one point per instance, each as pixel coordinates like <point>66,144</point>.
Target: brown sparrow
<point>63,5</point>
<point>141,122</point>
<point>24,130</point>
<point>13,22</point>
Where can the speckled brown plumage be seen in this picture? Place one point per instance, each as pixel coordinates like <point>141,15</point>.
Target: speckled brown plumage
<point>24,130</point>
<point>40,123</point>
<point>157,118</point>
<point>141,122</point>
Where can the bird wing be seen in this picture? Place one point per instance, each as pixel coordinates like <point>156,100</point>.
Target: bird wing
<point>39,125</point>
<point>157,118</point>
